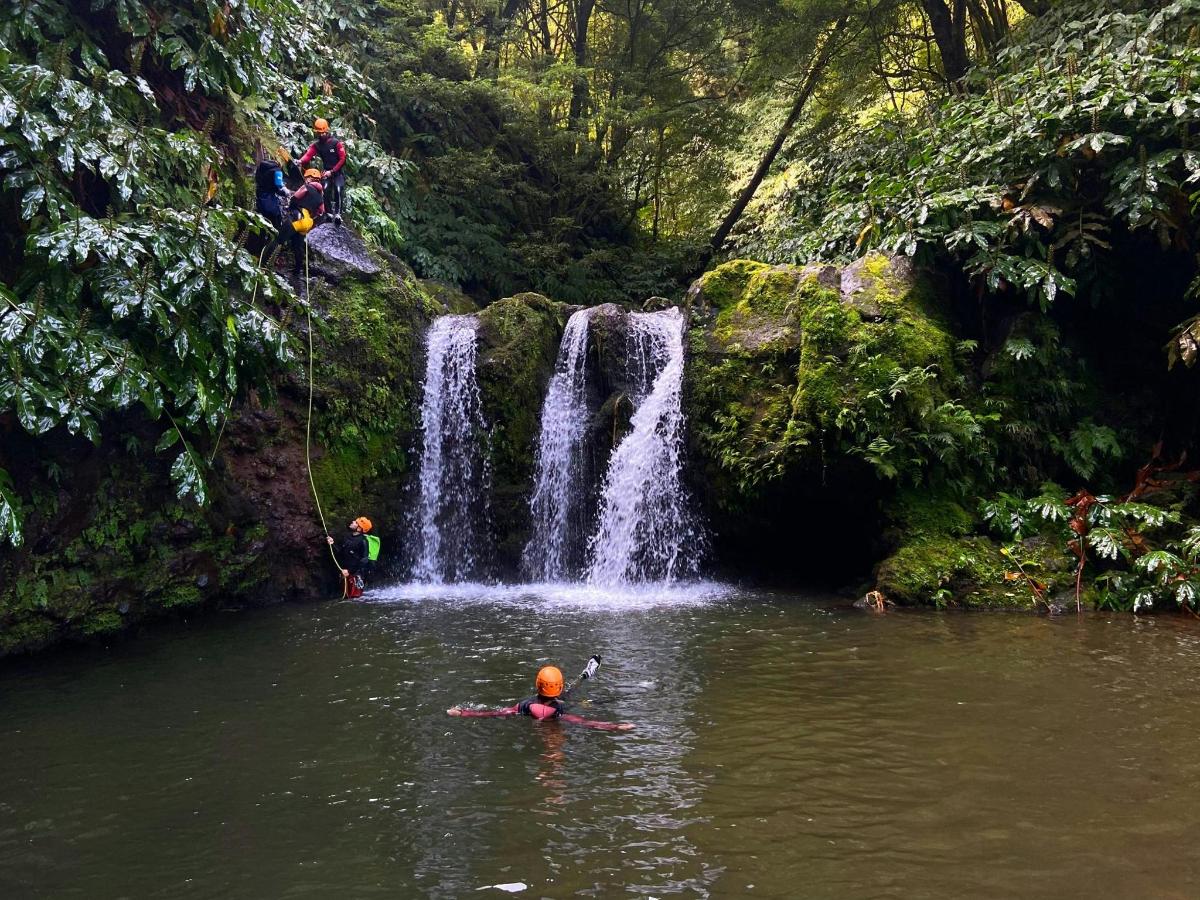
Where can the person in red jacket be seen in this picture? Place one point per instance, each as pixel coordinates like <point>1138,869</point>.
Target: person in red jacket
<point>548,703</point>
<point>332,151</point>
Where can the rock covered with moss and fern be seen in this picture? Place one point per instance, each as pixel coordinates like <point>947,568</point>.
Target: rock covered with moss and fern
<point>811,389</point>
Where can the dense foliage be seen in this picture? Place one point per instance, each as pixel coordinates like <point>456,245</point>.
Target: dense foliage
<point>1059,178</point>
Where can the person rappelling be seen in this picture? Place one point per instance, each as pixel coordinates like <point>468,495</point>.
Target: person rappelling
<point>332,152</point>
<point>301,211</point>
<point>358,554</point>
<point>549,702</point>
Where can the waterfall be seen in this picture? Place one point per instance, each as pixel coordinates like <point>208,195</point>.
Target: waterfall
<point>645,530</point>
<point>453,474</point>
<point>555,548</point>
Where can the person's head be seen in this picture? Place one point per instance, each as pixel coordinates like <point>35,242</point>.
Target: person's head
<point>361,525</point>
<point>312,174</point>
<point>321,129</point>
<point>549,682</point>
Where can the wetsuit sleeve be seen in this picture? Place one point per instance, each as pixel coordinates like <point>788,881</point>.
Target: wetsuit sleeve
<point>591,723</point>
<point>294,202</point>
<point>488,713</point>
<point>337,166</point>
<point>308,154</point>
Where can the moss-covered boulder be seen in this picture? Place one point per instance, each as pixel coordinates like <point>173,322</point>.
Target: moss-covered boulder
<point>940,558</point>
<point>448,297</point>
<point>518,345</point>
<point>801,384</point>
<point>973,571</point>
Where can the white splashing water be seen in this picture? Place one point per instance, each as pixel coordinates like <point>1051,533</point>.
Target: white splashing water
<point>453,474</point>
<point>555,549</point>
<point>645,530</point>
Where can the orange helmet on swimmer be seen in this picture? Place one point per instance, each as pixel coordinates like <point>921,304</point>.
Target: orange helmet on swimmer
<point>314,174</point>
<point>321,126</point>
<point>549,681</point>
<point>364,523</point>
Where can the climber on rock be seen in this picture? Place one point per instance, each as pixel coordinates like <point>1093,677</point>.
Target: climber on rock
<point>332,151</point>
<point>357,554</point>
<point>271,197</point>
<point>548,703</point>
<point>304,208</point>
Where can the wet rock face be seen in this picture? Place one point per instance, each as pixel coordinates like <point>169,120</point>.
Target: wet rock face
<point>518,344</point>
<point>873,283</point>
<point>779,355</point>
<point>110,544</point>
<point>337,253</point>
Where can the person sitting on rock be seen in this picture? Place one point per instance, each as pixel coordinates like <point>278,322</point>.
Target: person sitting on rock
<point>548,703</point>
<point>305,207</point>
<point>332,151</point>
<point>358,554</point>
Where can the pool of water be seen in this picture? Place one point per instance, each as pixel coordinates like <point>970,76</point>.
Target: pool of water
<point>785,747</point>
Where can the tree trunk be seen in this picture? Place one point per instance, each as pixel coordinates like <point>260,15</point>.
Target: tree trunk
<point>579,89</point>
<point>811,80</point>
<point>495,25</point>
<point>950,33</point>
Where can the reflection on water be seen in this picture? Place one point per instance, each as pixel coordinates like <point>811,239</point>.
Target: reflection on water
<point>785,747</point>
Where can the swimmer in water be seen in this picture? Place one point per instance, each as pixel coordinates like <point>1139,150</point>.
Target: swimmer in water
<point>548,703</point>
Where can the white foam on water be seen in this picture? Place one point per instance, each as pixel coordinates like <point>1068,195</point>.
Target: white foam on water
<point>555,595</point>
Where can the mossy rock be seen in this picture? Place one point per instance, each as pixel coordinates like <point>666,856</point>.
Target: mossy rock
<point>109,544</point>
<point>449,298</point>
<point>974,572</point>
<point>367,384</point>
<point>518,346</point>
<point>787,361</point>
<point>120,550</point>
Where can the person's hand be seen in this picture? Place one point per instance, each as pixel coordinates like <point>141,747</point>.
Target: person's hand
<point>454,711</point>
<point>625,726</point>
<point>345,573</point>
<point>329,540</point>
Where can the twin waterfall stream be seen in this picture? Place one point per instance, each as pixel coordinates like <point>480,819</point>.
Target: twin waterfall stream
<point>634,526</point>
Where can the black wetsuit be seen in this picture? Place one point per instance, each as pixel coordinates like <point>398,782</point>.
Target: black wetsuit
<point>353,555</point>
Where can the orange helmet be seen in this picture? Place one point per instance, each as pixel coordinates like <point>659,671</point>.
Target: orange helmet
<point>549,681</point>
<point>321,126</point>
<point>313,173</point>
<point>364,523</point>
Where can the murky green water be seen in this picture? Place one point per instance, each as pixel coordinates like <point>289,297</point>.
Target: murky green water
<point>785,748</point>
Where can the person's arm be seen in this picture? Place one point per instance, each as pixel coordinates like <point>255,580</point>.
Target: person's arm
<point>595,723</point>
<point>294,201</point>
<point>308,154</point>
<point>481,713</point>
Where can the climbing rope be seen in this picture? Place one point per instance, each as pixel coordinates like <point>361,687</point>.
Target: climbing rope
<point>308,424</point>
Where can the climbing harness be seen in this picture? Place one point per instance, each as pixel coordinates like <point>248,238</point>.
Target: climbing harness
<point>308,424</point>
